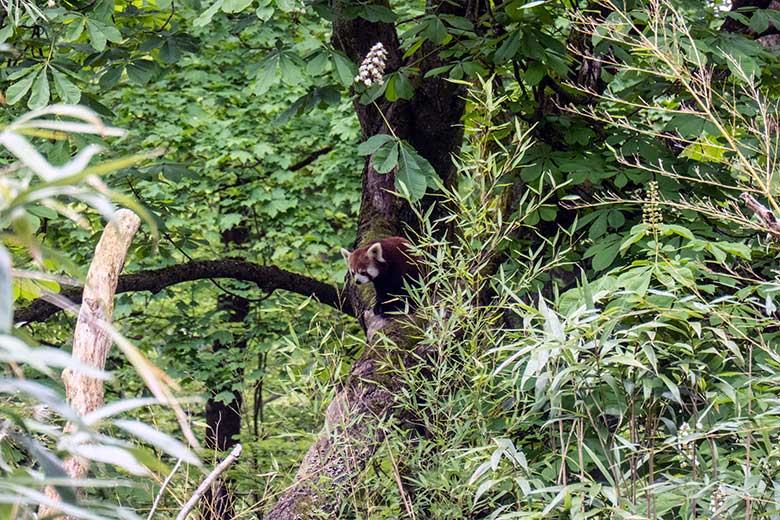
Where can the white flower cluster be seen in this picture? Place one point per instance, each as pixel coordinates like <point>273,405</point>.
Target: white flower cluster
<point>685,446</point>
<point>717,500</point>
<point>373,66</point>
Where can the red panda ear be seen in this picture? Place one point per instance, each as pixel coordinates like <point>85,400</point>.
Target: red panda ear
<point>345,254</point>
<point>375,252</point>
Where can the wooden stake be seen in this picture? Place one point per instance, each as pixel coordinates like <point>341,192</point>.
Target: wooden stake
<point>90,342</point>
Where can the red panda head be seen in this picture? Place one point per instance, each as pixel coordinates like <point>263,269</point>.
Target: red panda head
<point>364,263</point>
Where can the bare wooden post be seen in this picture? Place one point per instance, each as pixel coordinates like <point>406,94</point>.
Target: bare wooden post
<point>90,342</point>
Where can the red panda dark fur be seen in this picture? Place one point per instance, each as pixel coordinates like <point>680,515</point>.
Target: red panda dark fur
<point>394,264</point>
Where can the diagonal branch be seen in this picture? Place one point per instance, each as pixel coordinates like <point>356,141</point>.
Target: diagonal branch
<point>267,278</point>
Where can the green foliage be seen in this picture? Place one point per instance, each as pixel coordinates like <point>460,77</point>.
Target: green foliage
<point>621,360</point>
<point>648,391</point>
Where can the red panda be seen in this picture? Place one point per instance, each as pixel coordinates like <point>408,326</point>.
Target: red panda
<point>386,263</point>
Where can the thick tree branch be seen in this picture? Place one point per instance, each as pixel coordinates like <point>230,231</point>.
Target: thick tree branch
<point>267,278</point>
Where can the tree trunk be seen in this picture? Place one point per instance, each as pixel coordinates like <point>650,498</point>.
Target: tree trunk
<point>353,420</point>
<point>353,428</point>
<point>223,420</point>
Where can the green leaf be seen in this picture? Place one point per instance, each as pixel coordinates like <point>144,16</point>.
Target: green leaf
<point>668,229</point>
<point>235,6</point>
<point>6,32</point>
<point>97,37</point>
<point>74,29</point>
<point>373,143</point>
<point>403,87</point>
<point>317,64</point>
<point>673,388</point>
<point>744,67</point>
<point>287,5</point>
<point>265,13</point>
<point>100,33</point>
<point>508,48</point>
<point>759,22</point>
<point>266,76</point>
<point>39,97</point>
<point>390,93</point>
<point>67,91</point>
<point>169,51</point>
<point>705,149</point>
<point>225,396</point>
<point>637,233</point>
<point>604,252</point>
<point>458,22</point>
<point>18,90</point>
<point>111,76</point>
<point>6,293</point>
<point>636,280</point>
<point>142,71</point>
<point>377,13</point>
<point>291,73</point>
<point>436,31</point>
<point>345,69</point>
<point>206,16</point>
<point>534,73</point>
<point>736,249</point>
<point>386,158</point>
<point>413,173</point>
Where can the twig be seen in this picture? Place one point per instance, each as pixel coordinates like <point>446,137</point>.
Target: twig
<point>204,486</point>
<point>162,490</point>
<point>763,213</point>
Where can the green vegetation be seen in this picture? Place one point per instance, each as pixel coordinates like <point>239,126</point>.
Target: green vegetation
<point>591,186</point>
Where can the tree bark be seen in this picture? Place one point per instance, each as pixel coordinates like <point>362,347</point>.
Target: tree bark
<point>223,419</point>
<point>90,341</point>
<point>429,122</point>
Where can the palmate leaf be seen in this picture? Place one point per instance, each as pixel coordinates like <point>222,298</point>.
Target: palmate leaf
<point>413,173</point>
